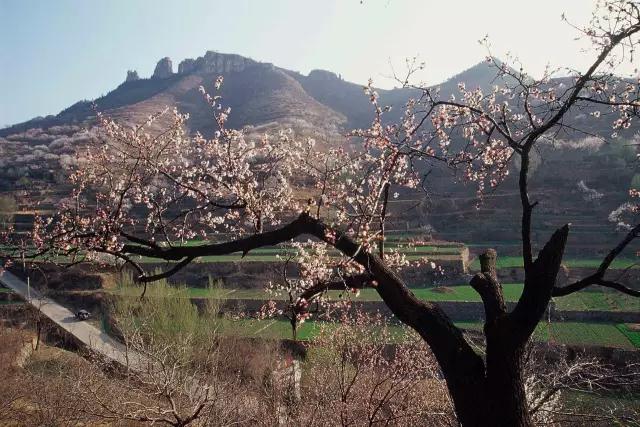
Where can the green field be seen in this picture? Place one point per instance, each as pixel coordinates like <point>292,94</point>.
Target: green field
<point>592,300</point>
<point>516,262</point>
<point>633,334</point>
<point>570,333</point>
<point>587,300</point>
<point>453,293</point>
<point>574,333</point>
<point>460,293</point>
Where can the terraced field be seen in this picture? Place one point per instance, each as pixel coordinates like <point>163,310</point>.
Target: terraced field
<point>516,262</point>
<point>444,251</point>
<point>623,336</point>
<point>569,333</point>
<point>632,332</point>
<point>587,300</point>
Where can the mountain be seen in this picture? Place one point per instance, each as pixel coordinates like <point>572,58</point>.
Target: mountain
<point>34,154</point>
<point>258,93</point>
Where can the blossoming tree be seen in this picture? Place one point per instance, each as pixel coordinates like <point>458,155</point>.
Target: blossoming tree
<point>140,190</point>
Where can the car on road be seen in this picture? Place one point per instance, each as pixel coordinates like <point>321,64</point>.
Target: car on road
<point>82,315</point>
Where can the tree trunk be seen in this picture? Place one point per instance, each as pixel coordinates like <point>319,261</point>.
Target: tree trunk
<point>506,396</point>
<point>469,400</point>
<point>496,400</point>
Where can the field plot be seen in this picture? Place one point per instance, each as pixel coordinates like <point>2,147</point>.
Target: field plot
<point>569,333</point>
<point>516,262</point>
<point>578,333</point>
<point>631,331</point>
<point>588,300</point>
<point>433,251</point>
<point>512,292</point>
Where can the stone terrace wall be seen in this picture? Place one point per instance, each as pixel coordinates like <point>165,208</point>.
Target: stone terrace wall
<point>255,274</point>
<point>516,275</point>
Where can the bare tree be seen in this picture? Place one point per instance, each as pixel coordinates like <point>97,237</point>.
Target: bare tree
<point>550,375</point>
<point>361,372</point>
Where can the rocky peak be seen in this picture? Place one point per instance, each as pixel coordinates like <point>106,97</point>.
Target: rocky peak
<point>215,62</point>
<point>323,75</point>
<point>132,76</point>
<point>164,69</point>
<point>187,66</point>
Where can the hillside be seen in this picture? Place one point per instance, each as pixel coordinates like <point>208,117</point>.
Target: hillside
<point>257,93</point>
<point>261,93</point>
<point>324,105</point>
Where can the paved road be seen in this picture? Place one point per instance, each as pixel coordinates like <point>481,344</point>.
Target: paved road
<point>93,338</point>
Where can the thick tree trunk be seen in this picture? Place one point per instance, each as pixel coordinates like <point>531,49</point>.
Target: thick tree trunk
<point>507,400</point>
<point>501,401</point>
<point>496,399</point>
<point>469,400</point>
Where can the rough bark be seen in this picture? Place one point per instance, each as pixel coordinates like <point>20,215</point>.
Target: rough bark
<point>506,399</point>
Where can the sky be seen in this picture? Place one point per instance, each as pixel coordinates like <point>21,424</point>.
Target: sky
<point>55,53</point>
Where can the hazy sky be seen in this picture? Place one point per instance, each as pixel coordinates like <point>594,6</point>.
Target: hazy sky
<point>54,53</point>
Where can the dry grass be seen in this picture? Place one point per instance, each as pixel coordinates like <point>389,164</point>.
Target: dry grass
<point>60,388</point>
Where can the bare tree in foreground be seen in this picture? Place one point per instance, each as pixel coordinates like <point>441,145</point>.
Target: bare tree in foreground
<point>551,377</point>
<point>356,376</point>
<point>140,192</point>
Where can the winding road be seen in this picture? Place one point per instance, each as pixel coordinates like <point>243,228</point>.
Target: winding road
<point>91,337</point>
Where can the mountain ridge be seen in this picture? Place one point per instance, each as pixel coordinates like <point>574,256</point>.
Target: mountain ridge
<point>341,101</point>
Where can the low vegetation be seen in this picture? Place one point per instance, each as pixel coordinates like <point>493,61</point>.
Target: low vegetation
<point>358,371</point>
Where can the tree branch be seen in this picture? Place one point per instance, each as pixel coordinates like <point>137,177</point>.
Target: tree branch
<point>597,278</point>
<point>244,245</point>
<point>591,280</point>
<point>538,285</point>
<point>615,40</point>
<point>167,273</point>
<point>527,210</point>
<point>487,285</point>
